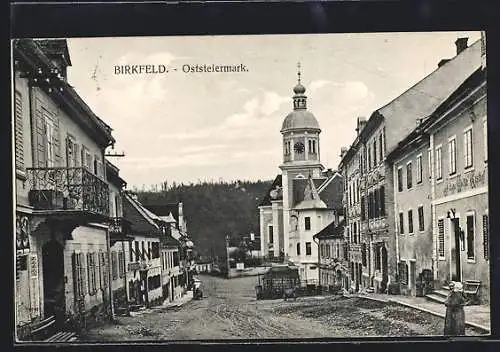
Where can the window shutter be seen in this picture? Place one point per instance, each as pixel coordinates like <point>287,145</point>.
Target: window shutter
<point>69,152</point>
<point>486,237</point>
<point>75,268</point>
<point>83,275</point>
<point>57,141</point>
<point>77,154</point>
<point>35,288</point>
<point>82,156</point>
<point>41,138</point>
<point>19,132</point>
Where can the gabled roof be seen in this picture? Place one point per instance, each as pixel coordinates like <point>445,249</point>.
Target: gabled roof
<point>267,198</point>
<point>419,134</point>
<point>332,190</point>
<point>139,219</point>
<point>332,231</point>
<point>163,210</point>
<point>424,97</point>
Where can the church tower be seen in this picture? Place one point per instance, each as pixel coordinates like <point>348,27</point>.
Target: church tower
<point>301,151</point>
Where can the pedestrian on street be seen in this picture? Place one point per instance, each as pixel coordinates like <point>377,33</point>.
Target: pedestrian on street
<point>454,323</point>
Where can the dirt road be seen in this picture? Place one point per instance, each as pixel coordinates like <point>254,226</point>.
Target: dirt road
<point>229,310</point>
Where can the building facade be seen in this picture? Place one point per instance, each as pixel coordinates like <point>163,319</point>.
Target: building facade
<point>381,134</point>
<point>333,261</point>
<point>62,197</point>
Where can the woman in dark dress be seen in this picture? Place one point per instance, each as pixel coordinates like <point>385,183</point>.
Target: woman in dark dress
<point>454,322</point>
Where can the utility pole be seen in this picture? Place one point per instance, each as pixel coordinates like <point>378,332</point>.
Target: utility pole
<point>227,255</point>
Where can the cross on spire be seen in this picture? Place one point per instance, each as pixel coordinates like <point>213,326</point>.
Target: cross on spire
<point>298,71</point>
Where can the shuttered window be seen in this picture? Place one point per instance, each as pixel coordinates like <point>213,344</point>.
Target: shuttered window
<point>121,264</point>
<point>103,264</point>
<point>19,132</point>
<point>79,275</point>
<point>486,237</point>
<point>114,265</point>
<point>92,273</point>
<point>441,238</point>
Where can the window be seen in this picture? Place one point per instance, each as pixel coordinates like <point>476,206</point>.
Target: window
<point>486,237</point>
<point>452,147</point>
<point>403,273</point>
<point>270,233</point>
<point>91,273</point>
<point>114,265</point>
<point>363,254</point>
<point>439,165</point>
<point>307,223</point>
<point>381,143</point>
<point>409,176</point>
<point>400,179</point>
<point>79,283</point>
<point>298,248</point>
<point>363,215</point>
<point>312,146</point>
<point>429,163</point>
<point>485,139</point>
<point>441,238</point>
<point>308,248</point>
<point>155,250</point>
<point>143,251</point>
<point>19,128</point>
<point>419,168</point>
<point>71,151</point>
<point>468,148</point>
<point>328,255</point>
<point>369,153</point>
<point>375,152</point>
<point>130,252</point>
<point>137,252</point>
<point>382,200</point>
<point>175,259</point>
<point>86,158</point>
<point>401,224</point>
<point>355,232</point>
<point>470,238</point>
<point>149,249</point>
<point>377,258</point>
<point>421,218</point>
<point>410,221</point>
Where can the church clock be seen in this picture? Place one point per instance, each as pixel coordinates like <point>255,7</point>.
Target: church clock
<point>299,147</point>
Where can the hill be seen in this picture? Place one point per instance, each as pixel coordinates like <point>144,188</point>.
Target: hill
<point>214,210</point>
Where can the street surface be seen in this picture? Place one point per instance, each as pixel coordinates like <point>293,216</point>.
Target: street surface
<point>229,310</point>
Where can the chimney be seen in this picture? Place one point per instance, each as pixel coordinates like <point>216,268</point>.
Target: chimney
<point>442,62</point>
<point>461,44</point>
<point>343,151</point>
<point>361,124</point>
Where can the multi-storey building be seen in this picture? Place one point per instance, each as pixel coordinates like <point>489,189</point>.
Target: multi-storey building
<point>119,237</point>
<point>385,128</point>
<point>303,199</point>
<point>145,266</point>
<point>447,192</point>
<point>333,263</point>
<point>62,197</point>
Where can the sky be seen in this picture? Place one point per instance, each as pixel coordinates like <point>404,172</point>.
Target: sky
<point>190,127</point>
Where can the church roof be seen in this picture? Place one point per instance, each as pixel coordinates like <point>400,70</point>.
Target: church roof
<point>300,119</point>
<point>267,198</point>
<point>311,198</point>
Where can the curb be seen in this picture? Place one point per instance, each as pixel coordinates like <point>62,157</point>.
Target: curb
<point>391,300</point>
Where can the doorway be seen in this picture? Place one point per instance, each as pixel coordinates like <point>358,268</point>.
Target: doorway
<point>413,274</point>
<point>385,277</point>
<point>456,272</point>
<point>53,279</point>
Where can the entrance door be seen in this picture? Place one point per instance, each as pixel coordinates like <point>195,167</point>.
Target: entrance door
<point>413,274</point>
<point>53,279</point>
<point>455,250</point>
<point>385,277</point>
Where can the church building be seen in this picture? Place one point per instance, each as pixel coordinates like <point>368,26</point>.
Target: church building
<point>304,198</point>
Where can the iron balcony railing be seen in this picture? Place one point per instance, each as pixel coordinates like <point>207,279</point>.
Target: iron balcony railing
<point>67,188</point>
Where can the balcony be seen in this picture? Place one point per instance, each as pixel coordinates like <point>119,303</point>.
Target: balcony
<point>67,189</point>
<point>120,230</point>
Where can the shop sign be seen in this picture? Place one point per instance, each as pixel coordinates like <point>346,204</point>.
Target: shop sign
<point>461,182</point>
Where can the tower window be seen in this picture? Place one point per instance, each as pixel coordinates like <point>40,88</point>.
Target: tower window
<point>307,223</point>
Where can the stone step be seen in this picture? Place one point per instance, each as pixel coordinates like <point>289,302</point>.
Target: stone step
<point>441,292</point>
<point>435,298</point>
